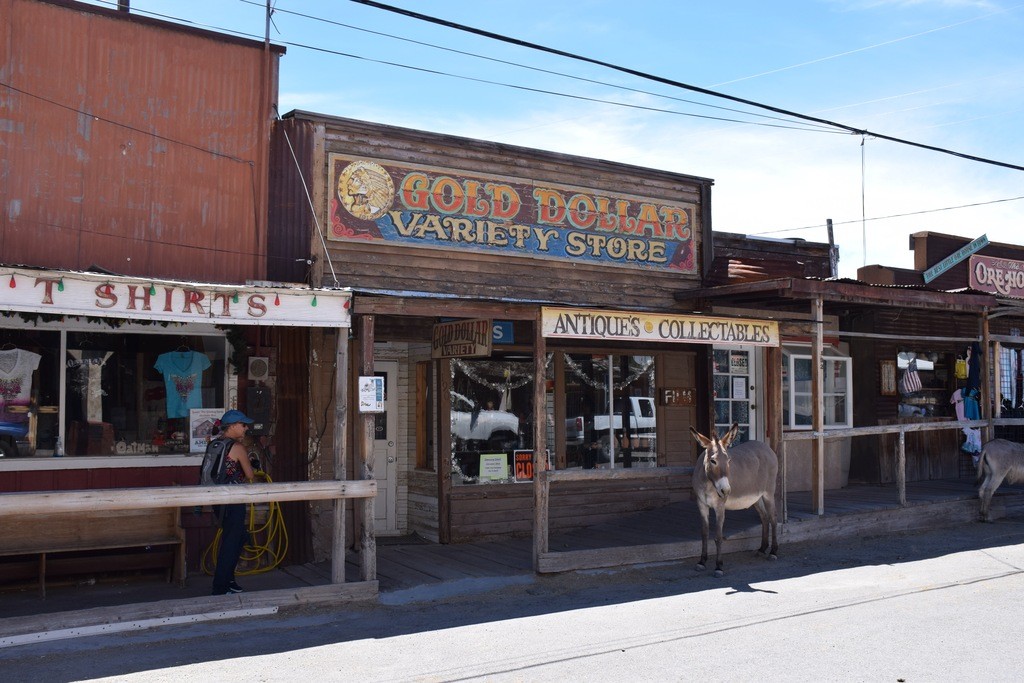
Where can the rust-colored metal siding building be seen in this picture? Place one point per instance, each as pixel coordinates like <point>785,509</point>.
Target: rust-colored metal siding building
<point>91,174</point>
<point>140,148</point>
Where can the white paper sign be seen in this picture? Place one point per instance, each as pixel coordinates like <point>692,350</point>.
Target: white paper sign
<point>371,394</point>
<point>200,425</point>
<point>493,466</point>
<point>739,388</point>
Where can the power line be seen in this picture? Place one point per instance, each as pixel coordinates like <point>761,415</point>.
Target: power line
<point>507,63</point>
<point>512,86</point>
<point>232,251</point>
<point>895,215</point>
<point>824,122</point>
<point>96,117</point>
<point>868,47</point>
<point>555,93</point>
<point>677,84</point>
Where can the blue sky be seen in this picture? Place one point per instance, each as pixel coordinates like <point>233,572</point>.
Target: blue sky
<point>945,73</point>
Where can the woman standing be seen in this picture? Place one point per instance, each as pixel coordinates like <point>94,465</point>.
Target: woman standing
<point>234,535</point>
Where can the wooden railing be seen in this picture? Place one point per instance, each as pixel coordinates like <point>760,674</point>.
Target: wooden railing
<point>901,431</point>
<point>85,501</point>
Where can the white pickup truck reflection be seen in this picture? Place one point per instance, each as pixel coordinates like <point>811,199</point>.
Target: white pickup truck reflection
<point>497,428</point>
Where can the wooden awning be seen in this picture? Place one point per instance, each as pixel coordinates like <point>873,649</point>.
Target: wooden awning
<point>850,292</point>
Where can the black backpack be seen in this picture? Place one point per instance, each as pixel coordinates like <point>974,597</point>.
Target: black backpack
<point>215,462</point>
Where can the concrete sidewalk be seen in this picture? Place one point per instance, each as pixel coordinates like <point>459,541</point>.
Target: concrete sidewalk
<point>408,571</point>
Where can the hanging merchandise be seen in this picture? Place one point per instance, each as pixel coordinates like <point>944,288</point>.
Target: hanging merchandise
<point>911,380</point>
<point>1018,384</point>
<point>182,371</point>
<point>974,366</point>
<point>961,368</point>
<point>16,368</point>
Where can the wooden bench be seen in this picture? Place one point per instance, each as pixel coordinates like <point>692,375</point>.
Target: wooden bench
<point>51,533</point>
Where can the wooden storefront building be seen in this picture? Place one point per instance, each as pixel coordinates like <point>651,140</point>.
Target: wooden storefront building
<point>971,264</point>
<point>477,268</point>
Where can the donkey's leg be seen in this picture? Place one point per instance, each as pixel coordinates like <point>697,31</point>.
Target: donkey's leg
<point>768,501</point>
<point>719,523</point>
<point>985,496</point>
<point>763,514</point>
<point>702,508</point>
<point>987,490</point>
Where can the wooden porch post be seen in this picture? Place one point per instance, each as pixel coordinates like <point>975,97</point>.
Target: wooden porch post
<point>986,379</point>
<point>364,507</point>
<point>340,440</point>
<point>771,413</point>
<point>540,459</point>
<point>817,414</point>
<point>997,372</point>
<point>901,468</point>
<point>444,450</point>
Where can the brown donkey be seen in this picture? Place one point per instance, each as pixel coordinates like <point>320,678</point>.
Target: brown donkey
<point>1000,460</point>
<point>734,479</point>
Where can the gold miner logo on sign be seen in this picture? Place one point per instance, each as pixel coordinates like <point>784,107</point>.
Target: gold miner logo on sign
<point>365,190</point>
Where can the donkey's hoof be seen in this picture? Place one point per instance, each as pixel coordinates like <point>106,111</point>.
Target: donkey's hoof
<point>772,556</point>
<point>700,567</point>
<point>719,573</point>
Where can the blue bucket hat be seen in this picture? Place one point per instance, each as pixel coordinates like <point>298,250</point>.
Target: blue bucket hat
<point>233,416</point>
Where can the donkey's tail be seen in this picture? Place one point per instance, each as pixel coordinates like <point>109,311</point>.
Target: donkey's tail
<point>981,468</point>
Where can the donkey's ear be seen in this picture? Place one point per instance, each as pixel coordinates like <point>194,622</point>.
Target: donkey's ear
<point>704,441</point>
<point>726,440</point>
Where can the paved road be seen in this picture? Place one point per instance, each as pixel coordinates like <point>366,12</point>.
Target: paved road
<point>931,606</point>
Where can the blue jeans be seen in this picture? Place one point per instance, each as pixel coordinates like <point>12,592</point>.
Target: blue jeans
<point>233,538</point>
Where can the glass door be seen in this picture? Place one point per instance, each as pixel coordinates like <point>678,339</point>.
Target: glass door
<point>734,375</point>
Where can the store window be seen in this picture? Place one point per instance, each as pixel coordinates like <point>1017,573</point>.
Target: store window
<point>797,387</point>
<point>133,394</point>
<point>93,392</point>
<point>491,418</point>
<point>1011,381</point>
<point>610,415</point>
<point>611,420</point>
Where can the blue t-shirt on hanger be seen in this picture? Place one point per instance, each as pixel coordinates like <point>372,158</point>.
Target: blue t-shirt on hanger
<point>183,372</point>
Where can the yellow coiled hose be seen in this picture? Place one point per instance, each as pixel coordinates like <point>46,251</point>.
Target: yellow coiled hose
<point>268,539</point>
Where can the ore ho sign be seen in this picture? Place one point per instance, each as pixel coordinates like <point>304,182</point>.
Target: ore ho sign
<point>955,258</point>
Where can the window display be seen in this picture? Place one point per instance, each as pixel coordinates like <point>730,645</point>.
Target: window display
<point>182,371</point>
<point>131,393</point>
<point>610,416</point>
<point>491,417</point>
<point>104,392</point>
<point>610,412</point>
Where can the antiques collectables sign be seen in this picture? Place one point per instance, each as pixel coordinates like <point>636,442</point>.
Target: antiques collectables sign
<point>388,201</point>
<point>997,275</point>
<point>576,323</point>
